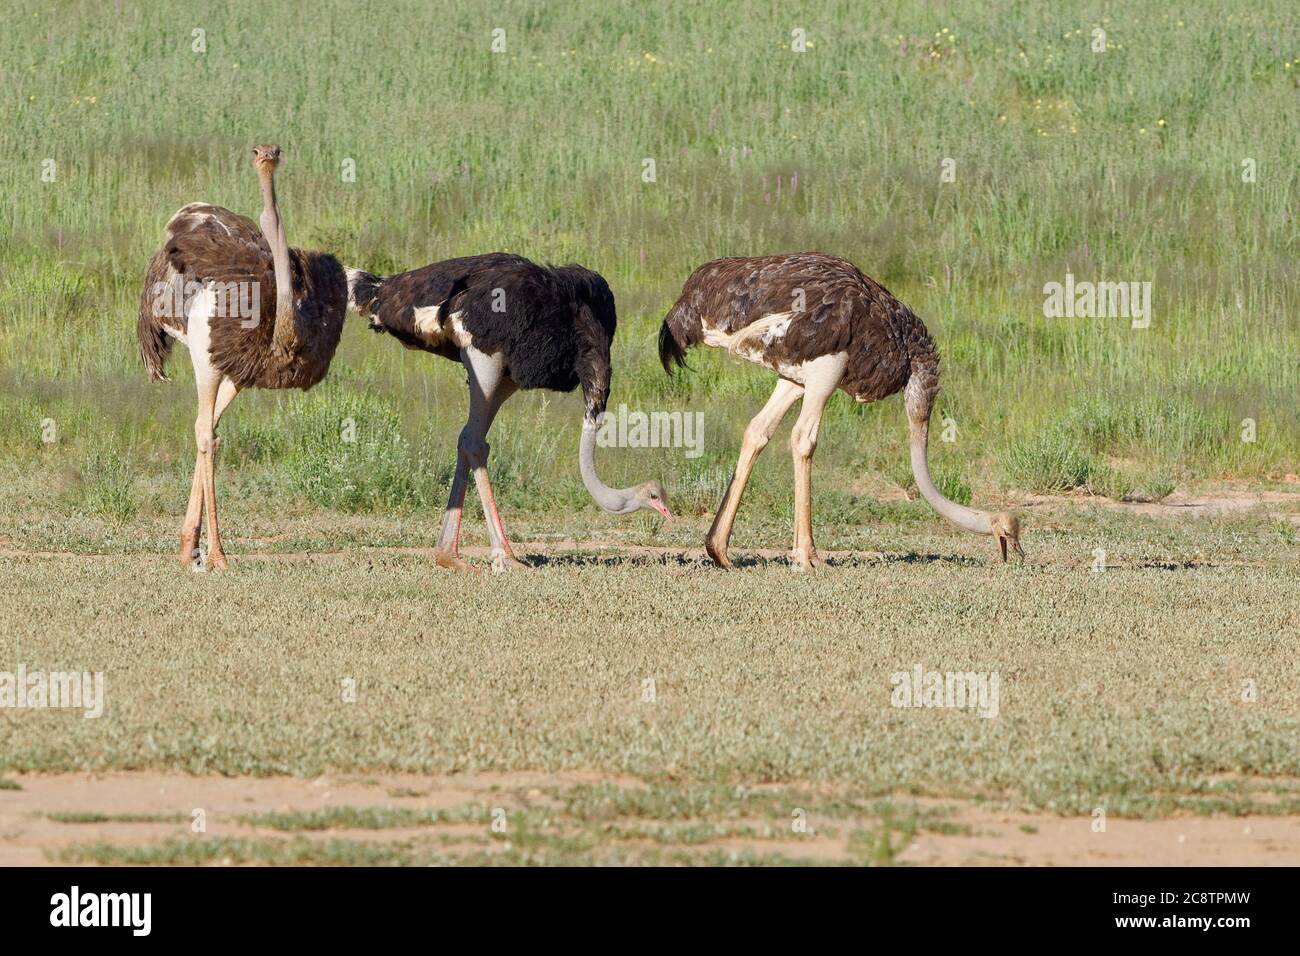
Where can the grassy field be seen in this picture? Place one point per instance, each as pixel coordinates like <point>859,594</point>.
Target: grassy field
<point>1123,690</point>
<point>1124,165</point>
<point>1125,683</point>
<point>1168,158</point>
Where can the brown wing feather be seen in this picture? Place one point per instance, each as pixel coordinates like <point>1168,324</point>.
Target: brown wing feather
<point>155,316</point>
<point>834,307</point>
<point>209,244</point>
<point>212,244</point>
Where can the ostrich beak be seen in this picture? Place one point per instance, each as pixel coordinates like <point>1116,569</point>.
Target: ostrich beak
<point>1006,540</point>
<point>1006,528</point>
<point>662,508</point>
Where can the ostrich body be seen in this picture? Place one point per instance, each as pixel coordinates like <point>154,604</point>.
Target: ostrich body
<point>288,341</point>
<point>513,325</point>
<point>820,324</point>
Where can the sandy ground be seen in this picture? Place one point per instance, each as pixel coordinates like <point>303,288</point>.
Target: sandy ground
<point>28,835</point>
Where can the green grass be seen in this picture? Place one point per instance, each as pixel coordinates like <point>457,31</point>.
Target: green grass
<point>1121,687</point>
<point>1067,160</point>
<point>272,852</point>
<point>362,818</point>
<point>90,817</point>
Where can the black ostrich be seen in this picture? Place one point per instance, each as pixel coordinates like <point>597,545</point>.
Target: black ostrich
<point>820,324</point>
<point>512,324</point>
<point>252,312</point>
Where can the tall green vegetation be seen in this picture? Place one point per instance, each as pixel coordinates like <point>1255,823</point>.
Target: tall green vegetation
<point>1125,165</point>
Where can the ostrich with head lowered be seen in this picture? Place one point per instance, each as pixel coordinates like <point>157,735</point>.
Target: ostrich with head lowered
<point>513,325</point>
<point>252,312</point>
<point>819,324</point>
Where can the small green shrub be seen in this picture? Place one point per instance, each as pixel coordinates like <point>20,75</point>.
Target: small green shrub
<point>952,486</point>
<point>107,483</point>
<point>1156,487</point>
<point>1047,461</point>
<point>1109,482</point>
<point>347,452</point>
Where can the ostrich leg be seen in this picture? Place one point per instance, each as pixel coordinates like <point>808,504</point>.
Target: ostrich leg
<point>191,529</point>
<point>757,434</point>
<point>221,396</point>
<point>447,554</point>
<point>822,377</point>
<point>225,395</point>
<point>489,387</point>
<point>208,385</point>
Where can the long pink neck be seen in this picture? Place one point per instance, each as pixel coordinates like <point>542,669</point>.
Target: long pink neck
<point>273,229</point>
<point>917,402</point>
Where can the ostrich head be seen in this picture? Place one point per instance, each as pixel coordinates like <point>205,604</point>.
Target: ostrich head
<point>1006,528</point>
<point>619,501</point>
<point>266,158</point>
<point>651,494</point>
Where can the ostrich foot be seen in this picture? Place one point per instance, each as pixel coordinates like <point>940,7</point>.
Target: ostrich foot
<point>806,561</point>
<point>501,562</point>
<point>718,553</point>
<point>190,554</point>
<point>217,560</point>
<point>451,561</point>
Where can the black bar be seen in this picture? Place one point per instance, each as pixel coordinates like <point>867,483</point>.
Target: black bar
<point>334,906</point>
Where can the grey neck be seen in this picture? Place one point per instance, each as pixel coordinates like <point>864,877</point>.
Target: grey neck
<point>620,501</point>
<point>968,518</point>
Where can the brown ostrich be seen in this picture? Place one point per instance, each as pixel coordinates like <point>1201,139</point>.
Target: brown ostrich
<point>513,325</point>
<point>820,324</point>
<point>253,314</point>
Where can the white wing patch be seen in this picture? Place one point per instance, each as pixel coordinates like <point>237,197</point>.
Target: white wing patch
<point>428,321</point>
<point>194,211</point>
<point>748,343</point>
<point>777,331</point>
<point>435,329</point>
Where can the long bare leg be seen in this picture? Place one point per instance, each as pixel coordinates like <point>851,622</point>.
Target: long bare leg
<point>208,387</point>
<point>489,387</point>
<point>191,529</point>
<point>822,377</point>
<point>758,433</point>
<point>447,553</point>
<point>225,395</point>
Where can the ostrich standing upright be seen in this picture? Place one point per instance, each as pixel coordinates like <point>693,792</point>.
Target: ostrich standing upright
<point>512,324</point>
<point>212,265</point>
<point>820,324</point>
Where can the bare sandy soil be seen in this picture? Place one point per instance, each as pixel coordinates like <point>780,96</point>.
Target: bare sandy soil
<point>1182,503</point>
<point>36,821</point>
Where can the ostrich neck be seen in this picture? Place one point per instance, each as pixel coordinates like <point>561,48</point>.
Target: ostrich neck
<point>273,229</point>
<point>967,518</point>
<point>617,500</point>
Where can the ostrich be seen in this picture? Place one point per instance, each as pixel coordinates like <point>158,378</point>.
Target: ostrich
<point>205,287</point>
<point>512,324</point>
<point>820,324</point>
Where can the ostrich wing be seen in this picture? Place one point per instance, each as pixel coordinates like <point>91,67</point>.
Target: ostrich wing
<point>414,306</point>
<point>227,253</point>
<point>212,244</point>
